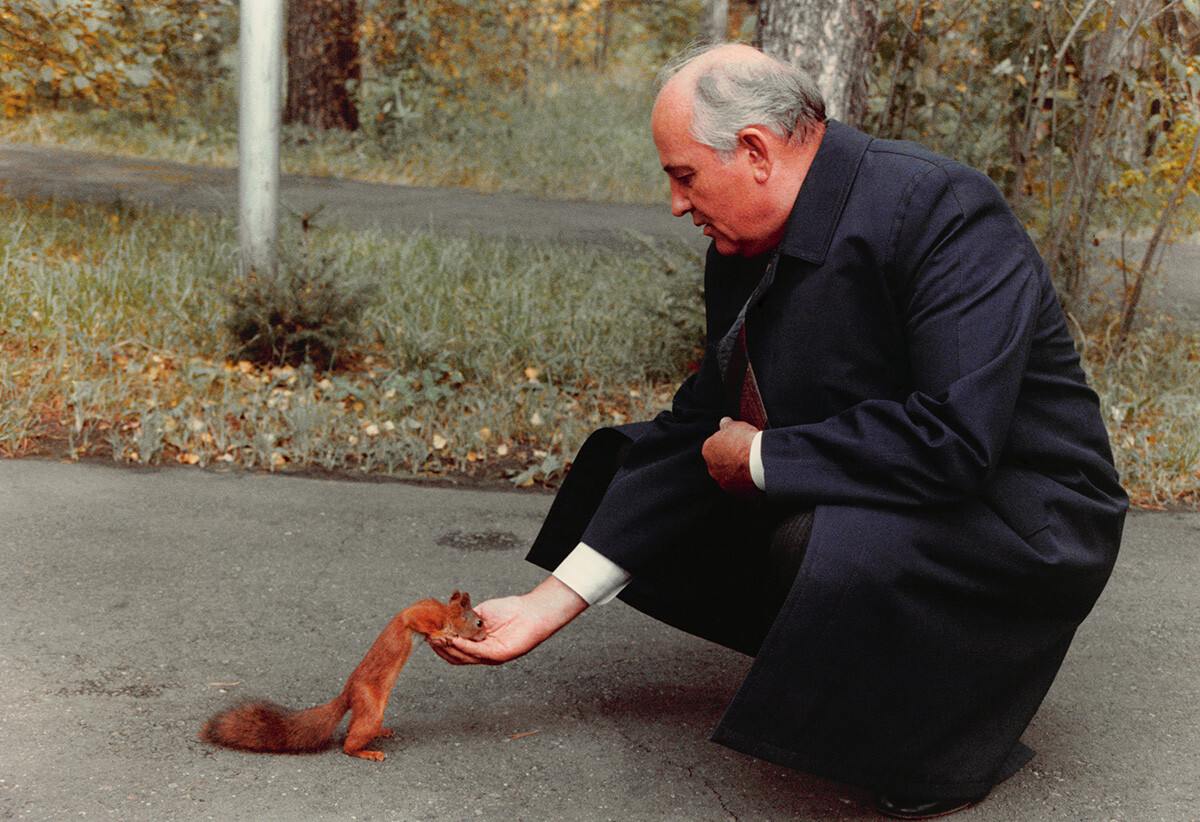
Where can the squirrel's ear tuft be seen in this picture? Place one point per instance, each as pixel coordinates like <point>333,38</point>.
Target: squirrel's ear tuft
<point>456,598</point>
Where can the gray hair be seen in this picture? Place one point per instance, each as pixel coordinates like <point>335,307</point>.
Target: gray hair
<point>734,94</point>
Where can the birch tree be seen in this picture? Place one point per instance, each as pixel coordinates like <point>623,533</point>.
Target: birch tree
<point>833,40</point>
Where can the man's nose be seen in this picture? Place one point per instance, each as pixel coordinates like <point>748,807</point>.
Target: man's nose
<point>680,204</point>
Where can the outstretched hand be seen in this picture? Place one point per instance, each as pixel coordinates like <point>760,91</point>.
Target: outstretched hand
<point>515,625</point>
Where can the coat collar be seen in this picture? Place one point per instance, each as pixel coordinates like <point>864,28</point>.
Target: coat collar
<point>818,207</point>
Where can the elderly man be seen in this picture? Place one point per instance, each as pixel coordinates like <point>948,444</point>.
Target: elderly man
<point>888,481</point>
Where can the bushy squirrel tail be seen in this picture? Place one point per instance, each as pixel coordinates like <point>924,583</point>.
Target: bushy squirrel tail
<point>264,727</point>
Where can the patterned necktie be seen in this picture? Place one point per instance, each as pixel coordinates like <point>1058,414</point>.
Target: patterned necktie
<point>741,387</point>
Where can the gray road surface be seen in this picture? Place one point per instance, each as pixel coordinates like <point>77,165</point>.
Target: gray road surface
<point>138,602</point>
<point>48,172</point>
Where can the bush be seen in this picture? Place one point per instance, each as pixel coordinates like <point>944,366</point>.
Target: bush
<point>1151,403</point>
<point>309,312</point>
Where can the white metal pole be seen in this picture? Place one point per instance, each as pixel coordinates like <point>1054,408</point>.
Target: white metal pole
<point>260,87</point>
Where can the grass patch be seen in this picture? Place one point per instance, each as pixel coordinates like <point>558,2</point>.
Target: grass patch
<point>480,357</point>
<point>1150,397</point>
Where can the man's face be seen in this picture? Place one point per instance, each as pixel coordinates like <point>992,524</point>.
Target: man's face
<point>722,194</point>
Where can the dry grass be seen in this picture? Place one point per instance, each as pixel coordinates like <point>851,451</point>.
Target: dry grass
<point>481,358</point>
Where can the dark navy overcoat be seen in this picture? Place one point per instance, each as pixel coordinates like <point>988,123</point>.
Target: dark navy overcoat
<point>925,395</point>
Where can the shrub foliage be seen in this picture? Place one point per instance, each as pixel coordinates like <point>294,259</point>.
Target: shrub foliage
<point>307,312</point>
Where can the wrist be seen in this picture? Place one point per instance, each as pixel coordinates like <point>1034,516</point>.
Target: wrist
<point>555,603</point>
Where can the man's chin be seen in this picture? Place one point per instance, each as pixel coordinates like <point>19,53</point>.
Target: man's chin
<point>745,248</point>
<point>725,246</point>
<point>729,248</point>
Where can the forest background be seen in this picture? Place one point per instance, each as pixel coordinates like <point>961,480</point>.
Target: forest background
<point>133,334</point>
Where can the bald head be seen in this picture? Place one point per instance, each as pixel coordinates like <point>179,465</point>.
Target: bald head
<point>688,65</point>
<point>731,86</point>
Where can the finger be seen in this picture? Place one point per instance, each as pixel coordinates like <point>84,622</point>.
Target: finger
<point>725,421</point>
<point>470,652</point>
<point>451,654</point>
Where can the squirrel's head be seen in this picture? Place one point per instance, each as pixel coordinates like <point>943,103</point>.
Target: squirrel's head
<point>470,625</point>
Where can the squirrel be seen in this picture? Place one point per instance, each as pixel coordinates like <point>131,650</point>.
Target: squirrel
<point>264,727</point>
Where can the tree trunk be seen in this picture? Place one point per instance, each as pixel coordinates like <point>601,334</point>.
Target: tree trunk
<point>322,46</point>
<point>606,31</point>
<point>833,40</point>
<point>718,21</point>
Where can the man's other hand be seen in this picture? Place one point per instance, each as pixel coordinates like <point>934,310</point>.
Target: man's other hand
<point>727,453</point>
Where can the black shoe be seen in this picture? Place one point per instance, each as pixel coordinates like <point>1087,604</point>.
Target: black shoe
<point>903,807</point>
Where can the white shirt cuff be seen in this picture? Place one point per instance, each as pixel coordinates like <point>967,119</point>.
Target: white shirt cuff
<point>756,464</point>
<point>592,575</point>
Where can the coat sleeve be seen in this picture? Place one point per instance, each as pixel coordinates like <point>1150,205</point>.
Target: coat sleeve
<point>969,286</point>
<point>663,489</point>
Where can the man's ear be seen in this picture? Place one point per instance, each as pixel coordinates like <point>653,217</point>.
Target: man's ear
<point>760,150</point>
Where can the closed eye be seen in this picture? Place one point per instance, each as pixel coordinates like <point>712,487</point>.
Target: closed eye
<point>685,179</point>
<point>681,175</point>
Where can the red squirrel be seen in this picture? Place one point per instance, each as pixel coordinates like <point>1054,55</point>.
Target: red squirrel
<point>264,727</point>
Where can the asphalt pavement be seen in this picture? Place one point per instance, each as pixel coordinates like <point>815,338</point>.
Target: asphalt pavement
<point>51,172</point>
<point>137,602</point>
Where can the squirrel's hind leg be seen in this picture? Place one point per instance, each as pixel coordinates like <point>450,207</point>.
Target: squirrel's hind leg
<point>357,741</point>
<point>366,724</point>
